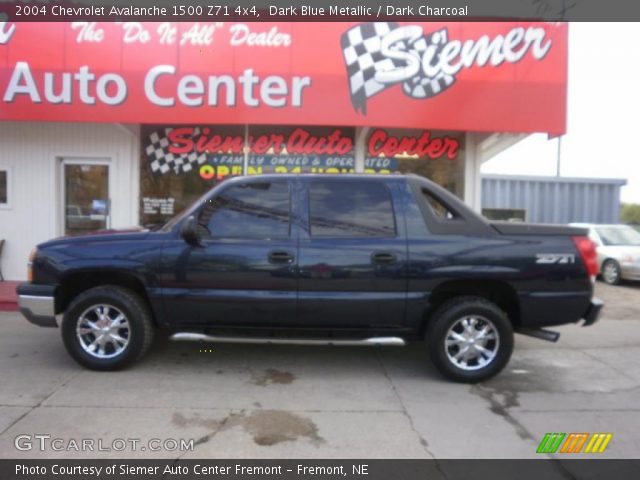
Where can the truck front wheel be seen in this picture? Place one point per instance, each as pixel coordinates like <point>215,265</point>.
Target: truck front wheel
<point>469,339</point>
<point>107,328</point>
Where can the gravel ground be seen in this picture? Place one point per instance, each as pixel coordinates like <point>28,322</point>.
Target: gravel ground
<point>621,302</point>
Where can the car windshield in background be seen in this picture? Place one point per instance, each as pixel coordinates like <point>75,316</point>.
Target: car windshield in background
<point>622,235</point>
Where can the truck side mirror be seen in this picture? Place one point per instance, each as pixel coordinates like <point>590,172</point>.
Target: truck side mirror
<point>189,231</point>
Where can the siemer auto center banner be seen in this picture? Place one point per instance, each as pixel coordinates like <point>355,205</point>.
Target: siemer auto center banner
<point>507,76</point>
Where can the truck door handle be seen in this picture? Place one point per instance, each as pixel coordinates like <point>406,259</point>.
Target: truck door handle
<point>280,257</point>
<point>382,258</point>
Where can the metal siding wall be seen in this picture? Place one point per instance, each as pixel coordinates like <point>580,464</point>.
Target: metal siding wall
<point>555,200</point>
<point>614,202</point>
<point>31,151</point>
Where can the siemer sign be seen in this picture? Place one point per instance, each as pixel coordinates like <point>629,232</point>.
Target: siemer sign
<point>425,61</point>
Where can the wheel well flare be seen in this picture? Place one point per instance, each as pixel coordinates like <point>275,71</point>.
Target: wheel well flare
<point>498,292</point>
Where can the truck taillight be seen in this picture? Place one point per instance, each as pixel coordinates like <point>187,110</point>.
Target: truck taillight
<point>587,251</point>
<point>32,257</point>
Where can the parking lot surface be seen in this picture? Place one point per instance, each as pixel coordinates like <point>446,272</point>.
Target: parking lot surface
<point>240,401</point>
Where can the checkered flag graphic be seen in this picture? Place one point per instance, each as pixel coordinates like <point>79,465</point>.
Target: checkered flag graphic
<point>162,160</point>
<point>361,47</point>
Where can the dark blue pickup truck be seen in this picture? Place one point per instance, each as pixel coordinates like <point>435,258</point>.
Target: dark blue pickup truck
<point>317,259</point>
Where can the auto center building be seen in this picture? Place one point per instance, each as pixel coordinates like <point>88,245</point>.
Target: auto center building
<point>108,125</point>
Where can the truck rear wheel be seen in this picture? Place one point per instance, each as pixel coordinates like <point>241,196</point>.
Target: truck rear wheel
<point>107,328</point>
<point>469,339</point>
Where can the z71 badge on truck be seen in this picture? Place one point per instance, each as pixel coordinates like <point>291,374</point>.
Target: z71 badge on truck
<point>317,259</point>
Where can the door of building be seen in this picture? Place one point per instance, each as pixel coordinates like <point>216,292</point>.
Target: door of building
<point>85,196</point>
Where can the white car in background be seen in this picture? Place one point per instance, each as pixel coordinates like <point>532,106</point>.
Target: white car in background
<point>618,248</point>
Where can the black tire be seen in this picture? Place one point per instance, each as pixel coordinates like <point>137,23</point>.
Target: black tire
<point>611,272</point>
<point>453,314</point>
<point>138,332</point>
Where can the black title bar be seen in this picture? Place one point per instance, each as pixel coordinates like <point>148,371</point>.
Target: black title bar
<point>317,10</point>
<point>545,468</point>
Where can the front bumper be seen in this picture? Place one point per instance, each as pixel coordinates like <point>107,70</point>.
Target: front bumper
<point>37,303</point>
<point>593,312</point>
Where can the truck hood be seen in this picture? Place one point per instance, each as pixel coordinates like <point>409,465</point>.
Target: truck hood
<point>129,233</point>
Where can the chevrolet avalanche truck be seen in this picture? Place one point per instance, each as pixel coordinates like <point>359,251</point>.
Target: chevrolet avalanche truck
<point>317,259</point>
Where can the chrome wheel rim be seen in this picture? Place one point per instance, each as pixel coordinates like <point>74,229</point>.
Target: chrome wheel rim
<point>610,272</point>
<point>472,342</point>
<point>103,331</point>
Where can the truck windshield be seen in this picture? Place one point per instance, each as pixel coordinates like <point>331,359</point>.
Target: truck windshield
<point>619,235</point>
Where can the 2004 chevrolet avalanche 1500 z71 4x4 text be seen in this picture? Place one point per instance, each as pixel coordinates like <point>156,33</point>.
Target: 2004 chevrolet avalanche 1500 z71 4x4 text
<point>317,259</point>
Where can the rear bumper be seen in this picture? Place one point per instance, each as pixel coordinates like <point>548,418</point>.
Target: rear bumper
<point>593,312</point>
<point>37,304</point>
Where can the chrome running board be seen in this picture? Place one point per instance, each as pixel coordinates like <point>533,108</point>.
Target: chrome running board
<point>372,341</point>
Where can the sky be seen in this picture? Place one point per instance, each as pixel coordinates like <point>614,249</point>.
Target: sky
<point>603,121</point>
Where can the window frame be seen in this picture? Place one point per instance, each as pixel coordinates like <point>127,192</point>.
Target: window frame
<point>9,176</point>
<point>451,214</point>
<point>256,180</point>
<point>468,221</point>
<point>343,237</point>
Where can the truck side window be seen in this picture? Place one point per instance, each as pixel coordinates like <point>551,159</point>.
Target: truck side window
<point>251,210</point>
<point>439,209</point>
<point>350,209</point>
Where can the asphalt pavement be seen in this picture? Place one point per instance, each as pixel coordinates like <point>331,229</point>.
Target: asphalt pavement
<point>239,401</point>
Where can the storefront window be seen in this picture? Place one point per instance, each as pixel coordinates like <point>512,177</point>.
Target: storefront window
<point>436,155</point>
<point>181,163</point>
<point>286,149</point>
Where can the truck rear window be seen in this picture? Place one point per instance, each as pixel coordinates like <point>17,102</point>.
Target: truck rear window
<point>350,209</point>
